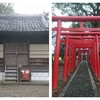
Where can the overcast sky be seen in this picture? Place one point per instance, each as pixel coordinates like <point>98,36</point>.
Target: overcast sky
<point>29,6</point>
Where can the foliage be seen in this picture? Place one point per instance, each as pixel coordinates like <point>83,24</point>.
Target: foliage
<point>6,8</point>
<point>79,9</point>
<point>62,50</point>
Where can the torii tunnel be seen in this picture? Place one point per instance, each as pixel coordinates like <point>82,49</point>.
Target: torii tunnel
<point>82,39</point>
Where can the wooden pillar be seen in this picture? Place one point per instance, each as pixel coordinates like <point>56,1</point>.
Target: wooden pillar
<point>97,55</point>
<point>94,57</point>
<point>69,60</point>
<point>56,57</point>
<point>73,58</point>
<point>79,56</point>
<point>65,69</point>
<point>74,63</point>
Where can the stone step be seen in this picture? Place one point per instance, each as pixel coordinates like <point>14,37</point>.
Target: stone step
<point>10,74</point>
<point>10,78</point>
<point>9,82</point>
<point>7,68</point>
<point>10,71</point>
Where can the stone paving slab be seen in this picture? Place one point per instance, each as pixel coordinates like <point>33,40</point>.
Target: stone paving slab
<point>24,91</point>
<point>81,85</point>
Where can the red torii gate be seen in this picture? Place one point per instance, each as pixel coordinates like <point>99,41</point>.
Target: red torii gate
<point>86,37</point>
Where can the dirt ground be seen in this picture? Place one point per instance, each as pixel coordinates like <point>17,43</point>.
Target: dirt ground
<point>24,91</point>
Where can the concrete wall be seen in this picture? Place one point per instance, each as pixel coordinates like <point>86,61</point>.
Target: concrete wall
<point>39,51</point>
<point>40,76</point>
<point>1,50</point>
<point>1,76</point>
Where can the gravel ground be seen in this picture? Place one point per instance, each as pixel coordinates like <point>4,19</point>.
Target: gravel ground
<point>24,91</point>
<point>81,84</point>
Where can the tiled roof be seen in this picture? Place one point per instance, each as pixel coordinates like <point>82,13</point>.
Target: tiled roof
<point>23,23</point>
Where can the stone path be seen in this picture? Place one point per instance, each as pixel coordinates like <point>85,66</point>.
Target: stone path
<point>80,85</point>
